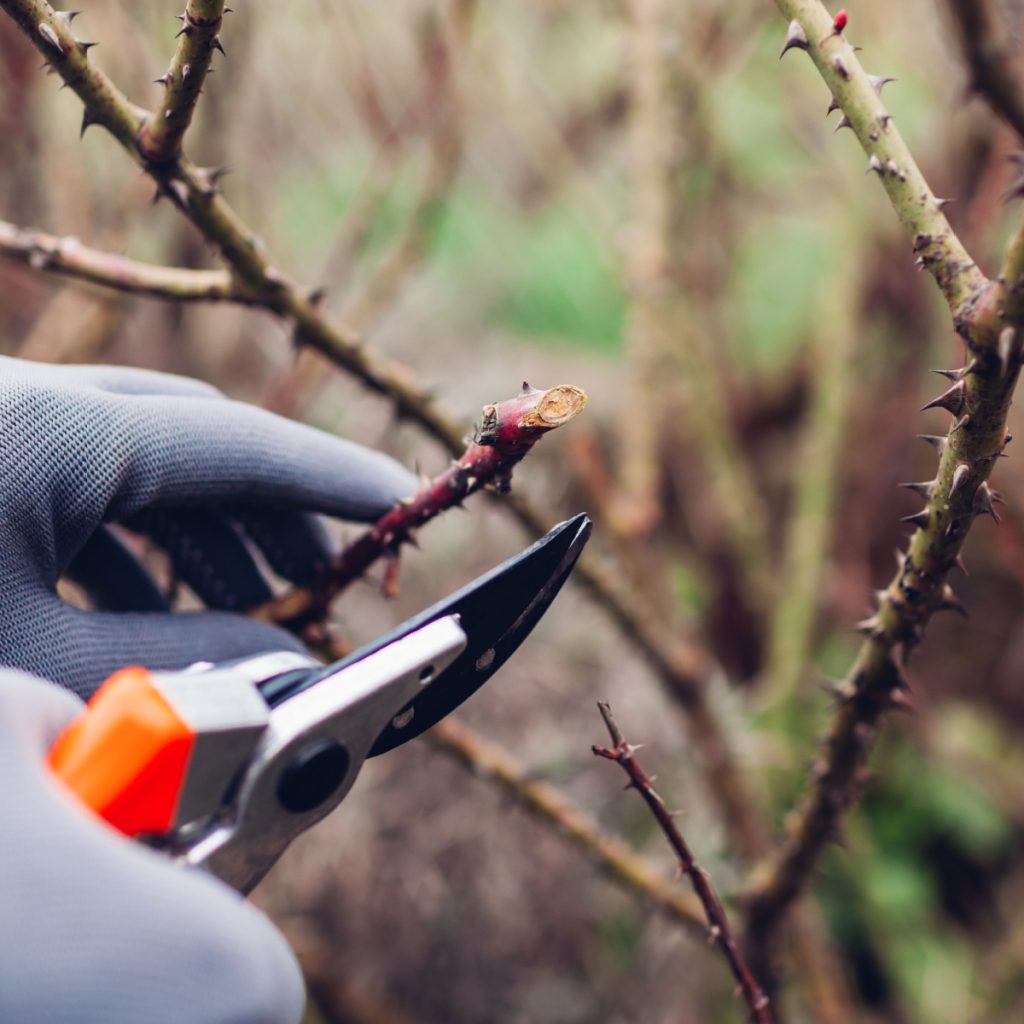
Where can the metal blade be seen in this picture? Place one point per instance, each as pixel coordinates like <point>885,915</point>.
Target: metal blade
<point>496,611</point>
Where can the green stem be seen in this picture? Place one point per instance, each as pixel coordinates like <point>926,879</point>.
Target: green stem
<point>938,248</point>
<point>162,134</point>
<point>811,522</point>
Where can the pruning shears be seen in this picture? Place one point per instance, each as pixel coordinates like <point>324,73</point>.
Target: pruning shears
<point>223,765</point>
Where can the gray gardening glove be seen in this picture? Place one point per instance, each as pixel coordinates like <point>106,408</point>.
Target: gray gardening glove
<point>95,929</point>
<point>172,458</point>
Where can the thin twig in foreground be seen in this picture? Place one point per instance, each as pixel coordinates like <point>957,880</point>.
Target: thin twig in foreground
<point>719,933</point>
<point>487,760</point>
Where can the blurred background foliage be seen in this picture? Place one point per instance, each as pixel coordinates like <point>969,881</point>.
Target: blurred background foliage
<point>754,391</point>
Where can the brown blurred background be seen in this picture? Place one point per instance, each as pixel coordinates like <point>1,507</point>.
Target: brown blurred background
<point>637,198</point>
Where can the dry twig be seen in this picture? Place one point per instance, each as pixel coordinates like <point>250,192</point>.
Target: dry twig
<point>68,257</point>
<point>718,924</point>
<point>488,760</point>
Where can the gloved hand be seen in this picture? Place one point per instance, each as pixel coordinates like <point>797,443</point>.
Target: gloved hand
<point>98,930</point>
<point>94,928</point>
<point>170,457</point>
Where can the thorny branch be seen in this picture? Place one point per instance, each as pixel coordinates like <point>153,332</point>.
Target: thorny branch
<point>486,759</point>
<point>991,60</point>
<point>681,665</point>
<point>718,924</point>
<point>162,133</point>
<point>858,96</point>
<point>489,760</point>
<point>509,430</point>
<point>988,315</point>
<point>69,257</point>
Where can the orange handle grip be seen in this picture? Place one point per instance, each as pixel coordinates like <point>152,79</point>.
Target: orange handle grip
<point>126,756</point>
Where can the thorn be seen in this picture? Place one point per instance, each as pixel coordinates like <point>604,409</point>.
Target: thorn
<point>165,79</point>
<point>66,16</point>
<point>1004,348</point>
<point>83,46</point>
<point>274,277</point>
<point>215,44</point>
<point>87,119</point>
<point>955,375</point>
<point>870,627</point>
<point>209,176</point>
<point>47,32</point>
<point>920,519</point>
<point>844,122</point>
<point>180,191</point>
<point>951,603</point>
<point>958,562</point>
<point>984,502</point>
<point>951,400</point>
<point>879,82</point>
<point>960,423</point>
<point>941,204</point>
<point>938,443</point>
<point>874,164</point>
<point>899,700</point>
<point>960,474</point>
<point>840,692</point>
<point>796,38</point>
<point>317,295</point>
<point>834,105</point>
<point>897,171</point>
<point>923,488</point>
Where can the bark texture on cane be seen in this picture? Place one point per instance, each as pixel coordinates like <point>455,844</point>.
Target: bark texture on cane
<point>508,431</point>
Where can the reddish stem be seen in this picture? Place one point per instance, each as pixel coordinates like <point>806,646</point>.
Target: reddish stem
<point>718,924</point>
<point>509,430</point>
